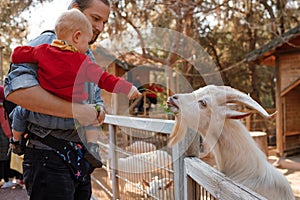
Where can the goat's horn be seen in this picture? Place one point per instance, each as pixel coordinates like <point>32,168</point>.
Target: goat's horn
<point>235,96</point>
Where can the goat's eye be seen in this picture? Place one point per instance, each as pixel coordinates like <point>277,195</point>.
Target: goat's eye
<point>202,103</point>
<point>159,188</point>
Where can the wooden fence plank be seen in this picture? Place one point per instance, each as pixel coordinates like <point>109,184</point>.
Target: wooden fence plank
<point>148,124</point>
<point>216,183</point>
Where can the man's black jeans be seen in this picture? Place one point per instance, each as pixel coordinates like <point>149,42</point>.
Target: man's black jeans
<point>47,177</point>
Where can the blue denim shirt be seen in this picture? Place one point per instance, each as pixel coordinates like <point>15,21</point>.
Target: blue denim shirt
<point>25,75</point>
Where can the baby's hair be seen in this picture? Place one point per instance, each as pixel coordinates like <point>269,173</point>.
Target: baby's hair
<point>70,21</point>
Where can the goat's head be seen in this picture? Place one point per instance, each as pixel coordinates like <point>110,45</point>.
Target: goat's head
<point>206,109</point>
<point>159,188</point>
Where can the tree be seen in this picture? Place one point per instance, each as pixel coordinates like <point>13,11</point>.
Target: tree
<point>13,28</point>
<point>227,29</point>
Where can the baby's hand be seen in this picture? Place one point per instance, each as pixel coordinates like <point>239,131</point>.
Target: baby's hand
<point>134,93</point>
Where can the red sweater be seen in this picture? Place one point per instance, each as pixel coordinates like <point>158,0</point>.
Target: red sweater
<point>153,90</point>
<point>64,72</point>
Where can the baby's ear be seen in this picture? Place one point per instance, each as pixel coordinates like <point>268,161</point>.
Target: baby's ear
<point>75,36</point>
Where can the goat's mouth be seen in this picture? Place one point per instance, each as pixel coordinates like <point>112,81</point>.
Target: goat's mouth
<point>172,106</point>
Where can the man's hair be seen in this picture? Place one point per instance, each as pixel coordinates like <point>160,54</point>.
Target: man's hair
<point>70,21</point>
<point>84,4</point>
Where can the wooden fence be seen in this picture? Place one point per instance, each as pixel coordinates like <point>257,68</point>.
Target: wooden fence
<point>204,182</point>
<point>201,181</point>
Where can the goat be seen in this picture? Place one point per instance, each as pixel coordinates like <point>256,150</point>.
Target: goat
<point>140,147</point>
<point>207,111</point>
<point>144,162</point>
<point>139,167</point>
<point>160,188</point>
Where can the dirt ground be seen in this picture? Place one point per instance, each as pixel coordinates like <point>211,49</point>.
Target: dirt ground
<point>292,173</point>
<point>99,193</point>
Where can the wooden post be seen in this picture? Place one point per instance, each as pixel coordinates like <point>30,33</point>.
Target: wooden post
<point>145,103</point>
<point>178,162</point>
<point>114,161</point>
<point>279,133</point>
<point>190,146</point>
<point>248,122</point>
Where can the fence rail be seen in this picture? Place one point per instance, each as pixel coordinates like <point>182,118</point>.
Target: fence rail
<point>215,183</point>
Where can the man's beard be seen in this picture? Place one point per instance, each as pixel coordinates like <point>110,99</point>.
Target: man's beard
<point>94,39</point>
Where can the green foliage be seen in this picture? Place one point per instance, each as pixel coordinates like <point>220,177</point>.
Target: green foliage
<point>227,30</point>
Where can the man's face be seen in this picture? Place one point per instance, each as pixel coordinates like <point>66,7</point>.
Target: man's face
<point>97,14</point>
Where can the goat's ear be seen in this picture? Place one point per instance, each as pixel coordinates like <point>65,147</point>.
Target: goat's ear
<point>168,184</point>
<point>146,183</point>
<point>233,114</point>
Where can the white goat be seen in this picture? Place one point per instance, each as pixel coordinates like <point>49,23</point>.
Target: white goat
<point>237,155</point>
<point>139,167</point>
<point>145,162</point>
<point>140,147</point>
<point>160,188</point>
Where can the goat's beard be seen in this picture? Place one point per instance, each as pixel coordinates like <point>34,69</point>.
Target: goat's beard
<point>178,132</point>
<point>186,118</point>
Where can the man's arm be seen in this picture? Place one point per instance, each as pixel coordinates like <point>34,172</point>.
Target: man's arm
<point>34,98</point>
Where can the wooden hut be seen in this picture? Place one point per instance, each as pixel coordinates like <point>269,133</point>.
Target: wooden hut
<point>283,53</point>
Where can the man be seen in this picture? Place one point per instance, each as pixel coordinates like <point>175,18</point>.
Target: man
<point>152,91</point>
<point>46,175</point>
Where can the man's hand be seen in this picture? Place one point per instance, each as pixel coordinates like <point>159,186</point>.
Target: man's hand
<point>101,113</point>
<point>85,114</point>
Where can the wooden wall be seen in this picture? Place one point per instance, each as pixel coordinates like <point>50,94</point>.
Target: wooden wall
<point>288,103</point>
<point>292,110</point>
<point>289,69</point>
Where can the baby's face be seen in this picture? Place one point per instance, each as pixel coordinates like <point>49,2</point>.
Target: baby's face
<point>83,42</point>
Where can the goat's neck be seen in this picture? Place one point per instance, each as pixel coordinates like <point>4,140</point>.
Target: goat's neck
<point>235,148</point>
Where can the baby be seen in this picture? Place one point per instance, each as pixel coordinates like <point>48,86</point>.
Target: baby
<point>63,68</point>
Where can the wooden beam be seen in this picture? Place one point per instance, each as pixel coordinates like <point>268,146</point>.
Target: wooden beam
<point>216,183</point>
<point>279,132</point>
<point>147,124</point>
<point>290,87</point>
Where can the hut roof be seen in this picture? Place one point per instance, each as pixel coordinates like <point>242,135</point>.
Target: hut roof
<point>267,51</point>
